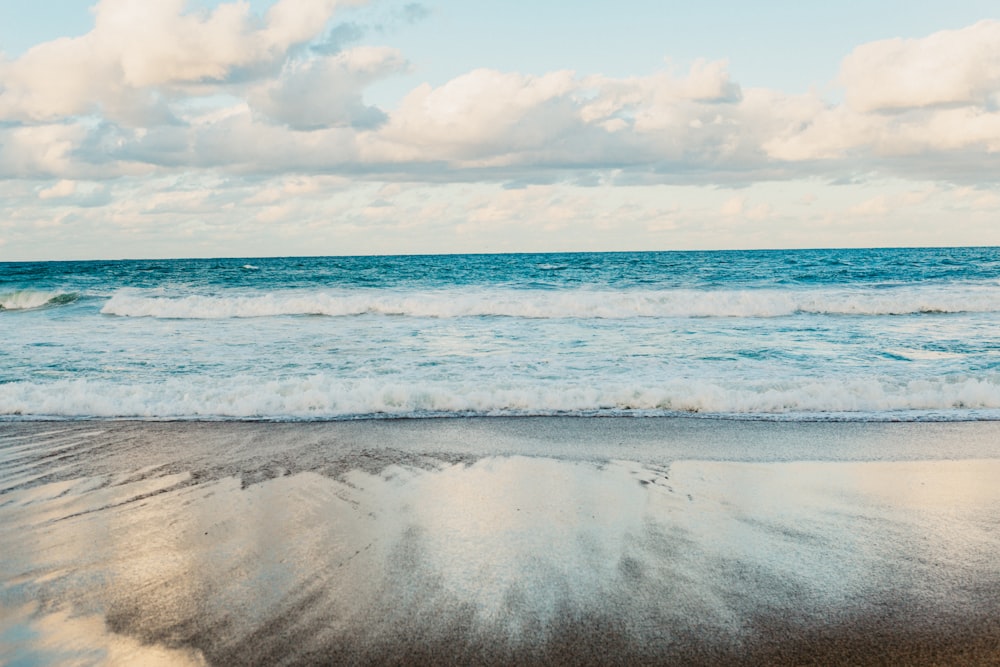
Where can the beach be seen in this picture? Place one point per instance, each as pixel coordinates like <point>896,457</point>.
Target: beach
<point>544,540</point>
<point>453,333</point>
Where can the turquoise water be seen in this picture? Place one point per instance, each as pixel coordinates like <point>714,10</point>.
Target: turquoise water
<point>910,334</point>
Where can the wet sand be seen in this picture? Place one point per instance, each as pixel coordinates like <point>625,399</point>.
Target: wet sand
<point>499,541</point>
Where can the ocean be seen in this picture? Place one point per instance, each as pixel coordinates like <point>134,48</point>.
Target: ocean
<point>855,335</point>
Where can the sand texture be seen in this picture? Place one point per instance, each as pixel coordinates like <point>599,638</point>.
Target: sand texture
<point>499,541</point>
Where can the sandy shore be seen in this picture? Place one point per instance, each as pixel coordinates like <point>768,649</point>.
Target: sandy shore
<point>507,541</point>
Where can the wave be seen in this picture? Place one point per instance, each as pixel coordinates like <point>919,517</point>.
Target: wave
<point>32,299</point>
<point>564,303</point>
<point>325,397</point>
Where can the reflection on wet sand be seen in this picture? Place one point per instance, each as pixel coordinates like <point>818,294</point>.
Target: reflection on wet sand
<point>496,559</point>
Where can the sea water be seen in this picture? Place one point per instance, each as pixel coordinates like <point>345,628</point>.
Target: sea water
<point>877,334</point>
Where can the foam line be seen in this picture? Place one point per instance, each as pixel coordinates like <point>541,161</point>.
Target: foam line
<point>323,396</point>
<point>564,304</point>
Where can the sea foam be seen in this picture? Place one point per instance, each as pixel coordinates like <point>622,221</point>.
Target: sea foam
<point>322,396</point>
<point>542,304</point>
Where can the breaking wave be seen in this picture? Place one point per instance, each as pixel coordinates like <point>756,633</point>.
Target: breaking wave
<point>31,299</point>
<point>325,397</point>
<point>564,304</point>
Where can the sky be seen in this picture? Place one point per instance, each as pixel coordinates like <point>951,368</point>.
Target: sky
<point>207,128</point>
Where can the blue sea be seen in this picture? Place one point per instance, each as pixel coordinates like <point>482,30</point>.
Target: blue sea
<point>859,335</point>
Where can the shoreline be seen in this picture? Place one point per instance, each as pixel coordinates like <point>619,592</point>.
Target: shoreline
<point>499,540</point>
<point>971,415</point>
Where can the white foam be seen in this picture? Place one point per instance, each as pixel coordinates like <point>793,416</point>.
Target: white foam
<point>474,302</point>
<point>323,396</point>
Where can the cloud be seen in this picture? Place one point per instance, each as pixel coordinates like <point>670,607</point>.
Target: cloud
<point>139,52</point>
<point>733,207</point>
<point>291,22</point>
<point>350,32</point>
<point>60,190</point>
<point>40,150</point>
<point>482,115</point>
<point>413,12</point>
<point>502,122</point>
<point>327,91</point>
<point>654,102</point>
<point>339,37</point>
<point>914,107</point>
<point>736,207</point>
<point>76,193</point>
<point>241,142</point>
<point>947,68</point>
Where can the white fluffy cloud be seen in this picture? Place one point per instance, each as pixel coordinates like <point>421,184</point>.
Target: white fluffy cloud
<point>482,115</point>
<point>139,52</point>
<point>948,68</point>
<point>915,105</point>
<point>487,119</point>
<point>40,150</point>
